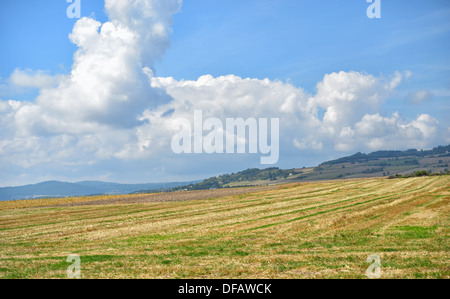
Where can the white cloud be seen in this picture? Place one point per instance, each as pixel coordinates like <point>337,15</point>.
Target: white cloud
<point>355,97</point>
<point>33,79</point>
<point>109,82</point>
<point>379,132</point>
<point>398,78</point>
<point>352,102</point>
<point>347,96</point>
<point>151,20</point>
<point>305,145</point>
<point>111,108</point>
<point>95,110</point>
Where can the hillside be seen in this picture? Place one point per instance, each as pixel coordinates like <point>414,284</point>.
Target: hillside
<point>304,230</point>
<point>377,164</point>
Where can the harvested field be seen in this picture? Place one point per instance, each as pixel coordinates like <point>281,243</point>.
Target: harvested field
<point>172,196</point>
<point>308,230</point>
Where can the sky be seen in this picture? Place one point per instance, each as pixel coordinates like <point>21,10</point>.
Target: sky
<point>101,97</point>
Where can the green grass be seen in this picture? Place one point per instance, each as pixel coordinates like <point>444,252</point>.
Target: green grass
<point>416,232</point>
<point>311,230</point>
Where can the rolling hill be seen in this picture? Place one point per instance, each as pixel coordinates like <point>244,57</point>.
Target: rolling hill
<point>376,164</point>
<point>61,189</point>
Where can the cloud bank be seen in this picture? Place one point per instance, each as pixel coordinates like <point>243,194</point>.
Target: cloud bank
<point>112,109</point>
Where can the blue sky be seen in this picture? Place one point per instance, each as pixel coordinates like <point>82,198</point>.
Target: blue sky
<point>35,34</point>
<point>301,41</point>
<point>291,40</point>
<point>295,42</point>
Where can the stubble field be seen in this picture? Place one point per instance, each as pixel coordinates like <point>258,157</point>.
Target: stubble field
<point>308,230</point>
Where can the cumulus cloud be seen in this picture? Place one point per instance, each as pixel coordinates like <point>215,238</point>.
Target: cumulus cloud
<point>352,102</point>
<point>111,107</point>
<point>150,20</point>
<point>109,82</point>
<point>33,79</point>
<point>346,96</point>
<point>352,120</point>
<point>304,145</point>
<point>95,110</point>
<point>392,132</point>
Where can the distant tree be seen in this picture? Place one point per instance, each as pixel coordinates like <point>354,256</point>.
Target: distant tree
<point>421,173</point>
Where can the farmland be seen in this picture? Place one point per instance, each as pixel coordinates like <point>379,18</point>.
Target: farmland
<point>301,230</point>
<point>376,164</point>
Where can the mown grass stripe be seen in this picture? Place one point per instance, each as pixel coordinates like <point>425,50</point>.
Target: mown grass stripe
<point>320,213</point>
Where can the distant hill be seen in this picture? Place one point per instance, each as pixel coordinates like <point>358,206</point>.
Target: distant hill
<point>439,152</point>
<point>53,189</point>
<point>376,164</point>
<point>244,178</point>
